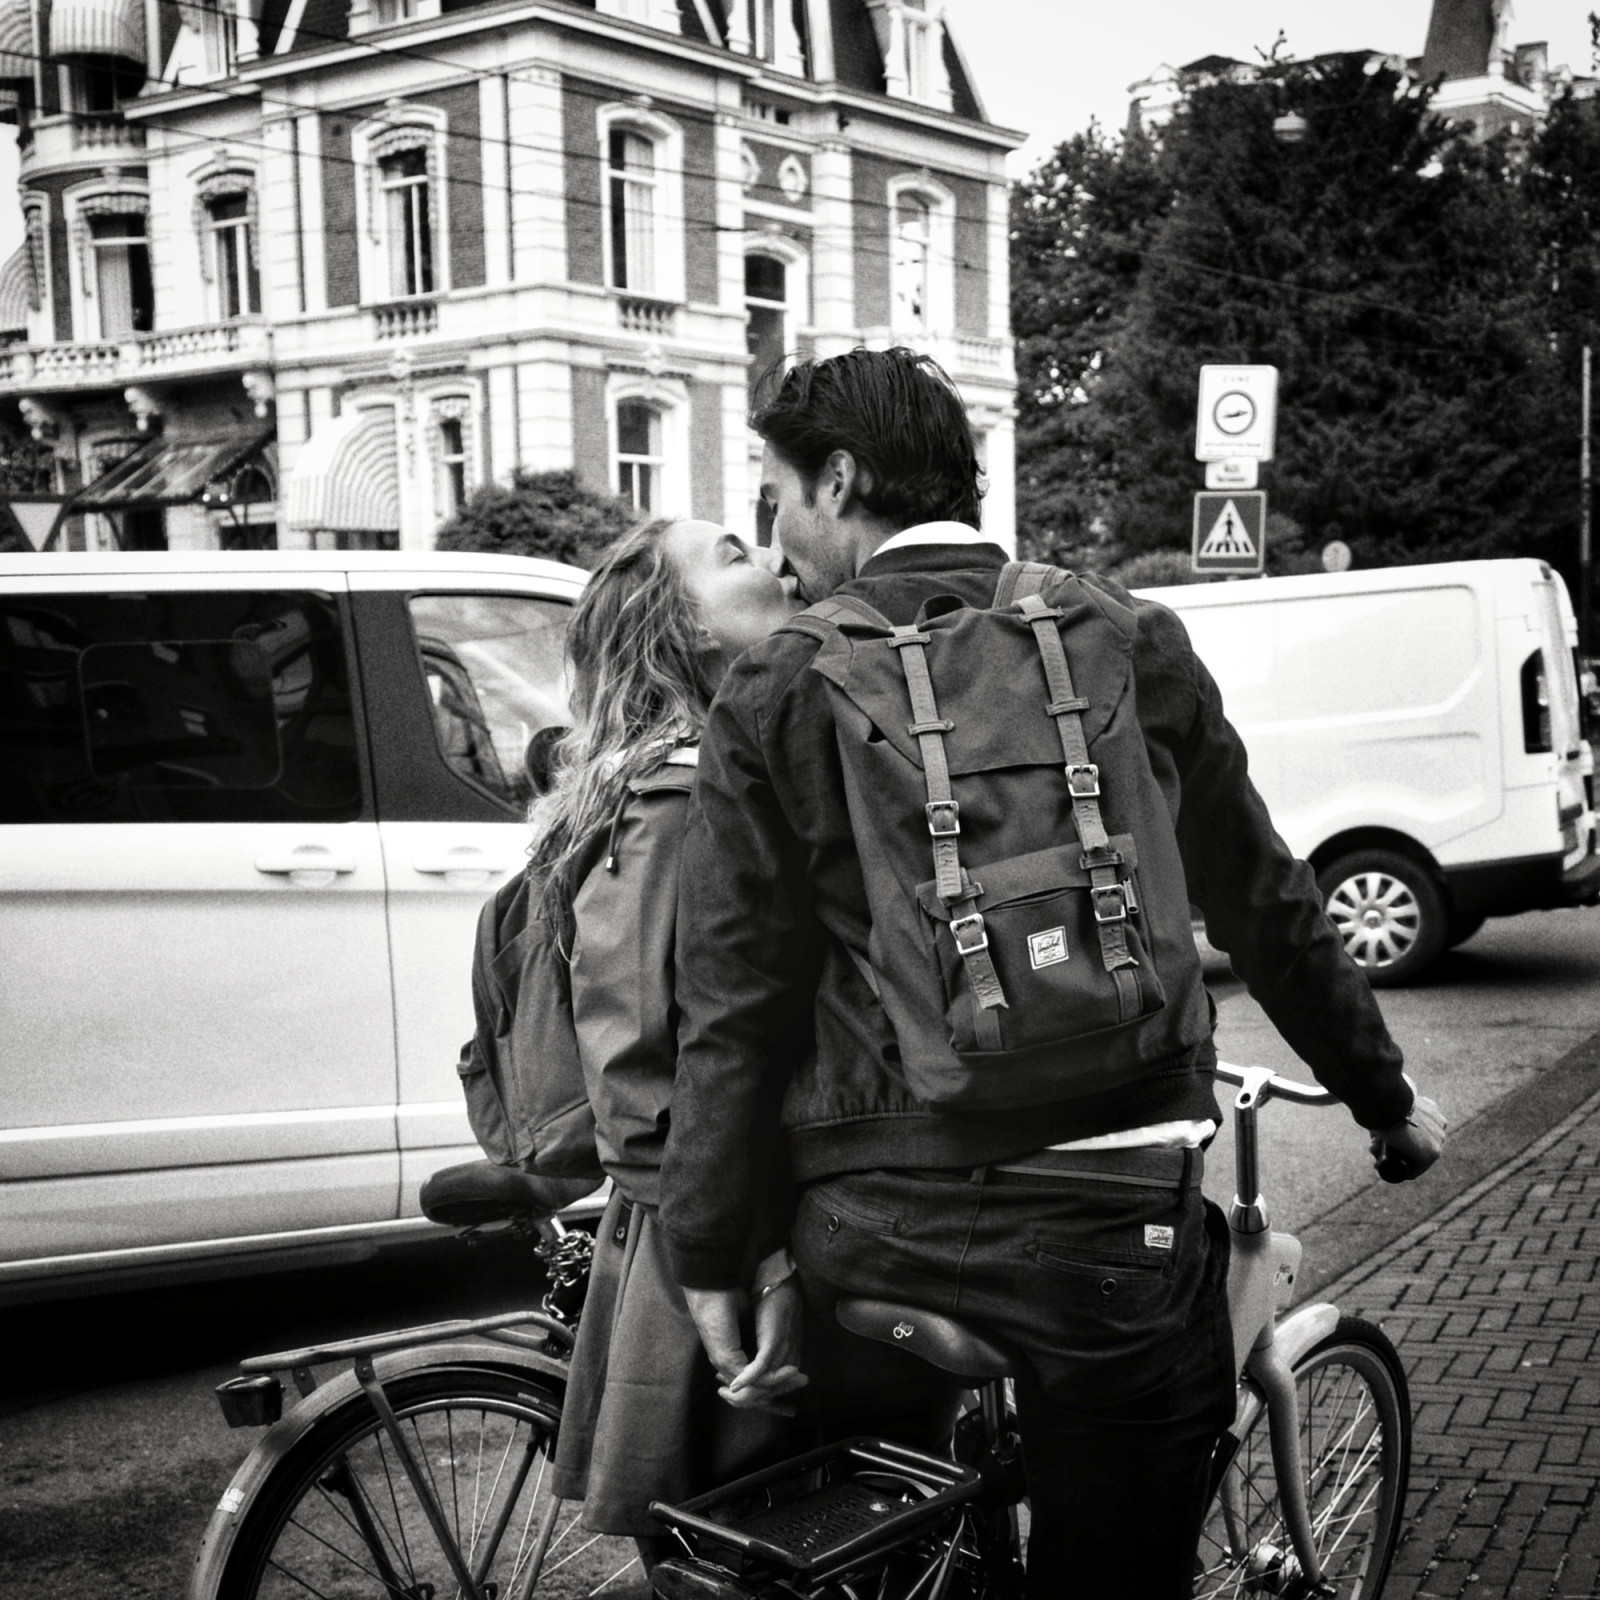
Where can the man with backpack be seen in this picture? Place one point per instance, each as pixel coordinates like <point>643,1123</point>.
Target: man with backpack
<point>952,820</point>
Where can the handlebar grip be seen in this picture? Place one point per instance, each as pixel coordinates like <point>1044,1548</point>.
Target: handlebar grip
<point>1391,1166</point>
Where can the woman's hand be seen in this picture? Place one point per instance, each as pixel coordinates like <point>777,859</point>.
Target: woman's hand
<point>758,1384</point>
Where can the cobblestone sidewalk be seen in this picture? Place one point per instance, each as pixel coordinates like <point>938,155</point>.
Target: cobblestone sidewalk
<point>1495,1305</point>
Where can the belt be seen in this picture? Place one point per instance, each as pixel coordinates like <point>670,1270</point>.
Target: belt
<point>1142,1169</point>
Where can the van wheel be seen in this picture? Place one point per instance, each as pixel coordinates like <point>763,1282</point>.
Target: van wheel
<point>1388,911</point>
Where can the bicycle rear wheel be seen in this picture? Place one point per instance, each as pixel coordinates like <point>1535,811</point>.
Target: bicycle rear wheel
<point>339,1519</point>
<point>1355,1448</point>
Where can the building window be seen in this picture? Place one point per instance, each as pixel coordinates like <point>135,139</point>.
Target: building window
<point>230,256</point>
<point>452,465</point>
<point>632,193</point>
<point>640,455</point>
<point>390,12</point>
<point>100,90</point>
<point>912,267</point>
<point>766,302</point>
<point>407,222</point>
<point>221,26</point>
<point>121,274</point>
<point>921,42</point>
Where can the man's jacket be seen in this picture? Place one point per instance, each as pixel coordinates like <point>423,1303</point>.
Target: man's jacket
<point>772,899</point>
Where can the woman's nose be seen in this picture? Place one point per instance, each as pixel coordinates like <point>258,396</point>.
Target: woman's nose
<point>768,556</point>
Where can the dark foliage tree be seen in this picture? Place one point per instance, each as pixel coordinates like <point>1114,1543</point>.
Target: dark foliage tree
<point>548,514</point>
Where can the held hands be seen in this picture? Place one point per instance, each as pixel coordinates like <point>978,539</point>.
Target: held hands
<point>1409,1148</point>
<point>759,1384</point>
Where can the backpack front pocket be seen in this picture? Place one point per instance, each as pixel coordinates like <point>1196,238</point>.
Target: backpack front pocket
<point>1042,923</point>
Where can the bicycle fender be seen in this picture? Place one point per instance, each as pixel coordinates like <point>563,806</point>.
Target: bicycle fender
<point>271,1448</point>
<point>1292,1339</point>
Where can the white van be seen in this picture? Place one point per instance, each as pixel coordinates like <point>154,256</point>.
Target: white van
<point>250,805</point>
<point>1417,735</point>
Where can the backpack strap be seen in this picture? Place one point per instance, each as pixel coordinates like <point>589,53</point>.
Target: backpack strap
<point>1019,578</point>
<point>836,614</point>
<point>1108,893</point>
<point>956,890</point>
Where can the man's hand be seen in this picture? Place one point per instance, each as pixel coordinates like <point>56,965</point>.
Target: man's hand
<point>759,1384</point>
<point>1409,1148</point>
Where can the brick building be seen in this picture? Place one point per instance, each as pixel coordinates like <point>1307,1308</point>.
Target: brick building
<point>306,272</point>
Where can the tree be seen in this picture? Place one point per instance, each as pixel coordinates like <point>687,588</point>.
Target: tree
<point>1387,266</point>
<point>548,514</point>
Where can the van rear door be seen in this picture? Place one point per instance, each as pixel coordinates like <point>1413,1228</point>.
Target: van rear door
<point>1558,707</point>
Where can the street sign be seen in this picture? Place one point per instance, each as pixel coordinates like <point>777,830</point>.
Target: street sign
<point>1230,532</point>
<point>1238,414</point>
<point>1232,474</point>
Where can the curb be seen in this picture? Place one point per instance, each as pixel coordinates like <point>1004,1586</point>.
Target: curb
<point>1343,1245</point>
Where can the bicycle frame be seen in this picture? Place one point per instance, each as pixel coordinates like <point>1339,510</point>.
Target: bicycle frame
<point>1261,1273</point>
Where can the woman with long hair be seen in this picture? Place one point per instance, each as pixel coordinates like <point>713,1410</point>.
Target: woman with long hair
<point>661,619</point>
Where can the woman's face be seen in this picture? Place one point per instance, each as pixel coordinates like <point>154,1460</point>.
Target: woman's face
<point>741,590</point>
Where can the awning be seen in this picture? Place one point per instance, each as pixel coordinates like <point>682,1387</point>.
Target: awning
<point>98,28</point>
<point>16,42</point>
<point>173,472</point>
<point>16,282</point>
<point>346,478</point>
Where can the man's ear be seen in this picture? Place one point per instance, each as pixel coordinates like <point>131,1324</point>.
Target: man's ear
<point>840,483</point>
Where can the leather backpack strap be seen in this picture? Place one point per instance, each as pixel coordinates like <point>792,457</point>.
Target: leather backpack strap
<point>1108,894</point>
<point>955,889</point>
<point>1019,578</point>
<point>838,613</point>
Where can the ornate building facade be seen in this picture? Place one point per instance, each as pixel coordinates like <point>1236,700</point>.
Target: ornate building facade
<point>307,272</point>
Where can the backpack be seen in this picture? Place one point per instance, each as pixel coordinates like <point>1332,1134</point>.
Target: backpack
<point>1030,918</point>
<point>520,1071</point>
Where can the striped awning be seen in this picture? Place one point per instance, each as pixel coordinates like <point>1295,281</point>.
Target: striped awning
<point>16,42</point>
<point>346,478</point>
<point>98,28</point>
<point>16,283</point>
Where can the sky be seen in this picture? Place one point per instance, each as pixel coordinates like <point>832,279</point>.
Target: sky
<point>1046,67</point>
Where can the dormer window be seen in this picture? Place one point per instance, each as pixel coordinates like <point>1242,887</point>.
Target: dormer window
<point>911,36</point>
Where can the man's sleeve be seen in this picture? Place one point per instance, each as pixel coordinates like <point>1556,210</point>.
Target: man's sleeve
<point>1261,904</point>
<point>744,989</point>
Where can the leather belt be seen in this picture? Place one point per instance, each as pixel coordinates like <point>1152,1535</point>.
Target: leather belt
<point>1143,1169</point>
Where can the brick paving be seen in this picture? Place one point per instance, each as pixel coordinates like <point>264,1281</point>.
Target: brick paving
<point>1495,1306</point>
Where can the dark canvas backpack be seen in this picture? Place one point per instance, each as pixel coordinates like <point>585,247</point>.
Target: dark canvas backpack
<point>1029,913</point>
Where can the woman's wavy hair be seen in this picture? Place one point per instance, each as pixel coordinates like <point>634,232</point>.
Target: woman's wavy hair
<point>639,688</point>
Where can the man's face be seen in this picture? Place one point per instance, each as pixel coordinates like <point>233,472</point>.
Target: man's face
<point>806,528</point>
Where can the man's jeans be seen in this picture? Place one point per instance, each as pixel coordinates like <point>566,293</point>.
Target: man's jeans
<point>1115,1295</point>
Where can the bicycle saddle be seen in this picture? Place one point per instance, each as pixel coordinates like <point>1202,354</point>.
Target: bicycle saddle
<point>480,1192</point>
<point>939,1340</point>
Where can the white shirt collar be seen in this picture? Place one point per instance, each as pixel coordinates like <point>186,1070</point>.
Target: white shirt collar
<point>932,533</point>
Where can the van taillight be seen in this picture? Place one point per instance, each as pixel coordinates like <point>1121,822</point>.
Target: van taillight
<point>1535,706</point>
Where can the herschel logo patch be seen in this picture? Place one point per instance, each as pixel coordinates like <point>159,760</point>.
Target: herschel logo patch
<point>1157,1237</point>
<point>1047,948</point>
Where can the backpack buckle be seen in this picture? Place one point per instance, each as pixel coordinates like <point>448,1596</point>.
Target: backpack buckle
<point>960,926</point>
<point>1110,903</point>
<point>944,818</point>
<point>1083,780</point>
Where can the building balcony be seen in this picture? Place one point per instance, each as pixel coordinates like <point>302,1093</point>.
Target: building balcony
<point>655,319</point>
<point>140,358</point>
<point>405,319</point>
<point>79,139</point>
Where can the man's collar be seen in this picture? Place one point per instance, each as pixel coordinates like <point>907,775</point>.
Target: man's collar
<point>931,533</point>
<point>934,546</point>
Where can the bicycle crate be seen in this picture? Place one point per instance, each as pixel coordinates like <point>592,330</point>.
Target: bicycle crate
<point>828,1509</point>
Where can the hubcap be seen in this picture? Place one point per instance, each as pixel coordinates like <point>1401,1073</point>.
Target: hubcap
<point>1377,916</point>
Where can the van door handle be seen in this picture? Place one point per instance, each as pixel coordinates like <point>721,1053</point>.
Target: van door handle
<point>308,866</point>
<point>464,861</point>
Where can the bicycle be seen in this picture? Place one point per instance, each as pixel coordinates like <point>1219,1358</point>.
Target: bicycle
<point>1309,1482</point>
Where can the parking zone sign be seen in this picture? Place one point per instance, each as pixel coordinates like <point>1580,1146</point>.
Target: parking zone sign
<point>1230,531</point>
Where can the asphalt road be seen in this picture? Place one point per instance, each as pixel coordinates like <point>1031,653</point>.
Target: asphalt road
<point>112,1450</point>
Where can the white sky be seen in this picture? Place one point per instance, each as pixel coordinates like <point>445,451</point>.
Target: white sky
<point>1047,66</point>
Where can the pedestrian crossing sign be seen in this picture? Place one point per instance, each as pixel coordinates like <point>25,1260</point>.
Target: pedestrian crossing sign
<point>1230,531</point>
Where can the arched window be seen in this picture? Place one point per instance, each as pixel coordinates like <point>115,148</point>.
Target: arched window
<point>632,182</point>
<point>766,302</point>
<point>407,222</point>
<point>641,455</point>
<point>912,267</point>
<point>402,221</point>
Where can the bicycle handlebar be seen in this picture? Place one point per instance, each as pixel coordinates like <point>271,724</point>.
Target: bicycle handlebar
<point>1269,1086</point>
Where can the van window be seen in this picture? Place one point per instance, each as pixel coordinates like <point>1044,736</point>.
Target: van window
<point>1535,706</point>
<point>495,666</point>
<point>176,707</point>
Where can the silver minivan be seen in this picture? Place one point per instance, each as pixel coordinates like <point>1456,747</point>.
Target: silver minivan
<point>250,805</point>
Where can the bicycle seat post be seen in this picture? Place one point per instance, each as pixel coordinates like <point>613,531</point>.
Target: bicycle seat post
<point>1248,1213</point>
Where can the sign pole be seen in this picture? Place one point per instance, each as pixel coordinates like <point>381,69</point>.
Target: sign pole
<point>1585,515</point>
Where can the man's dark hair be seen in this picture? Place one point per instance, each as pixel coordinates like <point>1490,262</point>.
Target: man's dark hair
<point>898,414</point>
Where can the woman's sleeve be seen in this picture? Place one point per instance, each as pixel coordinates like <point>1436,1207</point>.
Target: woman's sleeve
<point>622,988</point>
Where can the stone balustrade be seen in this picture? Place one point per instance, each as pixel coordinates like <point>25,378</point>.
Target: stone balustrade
<point>405,319</point>
<point>655,319</point>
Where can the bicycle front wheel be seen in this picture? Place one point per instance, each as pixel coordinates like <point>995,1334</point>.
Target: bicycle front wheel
<point>339,1518</point>
<point>1355,1449</point>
